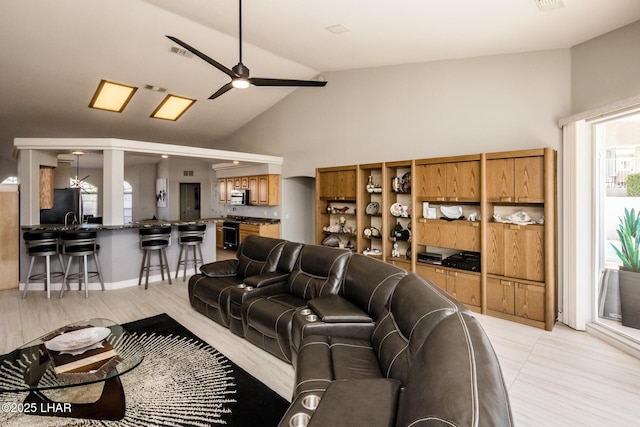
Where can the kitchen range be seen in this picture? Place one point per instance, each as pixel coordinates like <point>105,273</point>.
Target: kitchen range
<point>231,232</point>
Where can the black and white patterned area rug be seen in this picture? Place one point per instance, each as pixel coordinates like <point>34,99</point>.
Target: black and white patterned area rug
<point>182,381</point>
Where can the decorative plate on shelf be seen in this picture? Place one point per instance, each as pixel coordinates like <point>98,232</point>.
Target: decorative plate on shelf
<point>372,208</point>
<point>406,182</point>
<point>396,209</point>
<point>451,212</point>
<point>77,339</point>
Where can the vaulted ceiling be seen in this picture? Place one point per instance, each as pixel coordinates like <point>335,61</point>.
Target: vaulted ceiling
<point>56,52</point>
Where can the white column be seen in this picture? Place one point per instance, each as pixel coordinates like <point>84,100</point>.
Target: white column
<point>112,187</point>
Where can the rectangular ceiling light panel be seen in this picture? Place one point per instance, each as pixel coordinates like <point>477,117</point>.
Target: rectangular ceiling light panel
<point>112,96</point>
<point>172,107</point>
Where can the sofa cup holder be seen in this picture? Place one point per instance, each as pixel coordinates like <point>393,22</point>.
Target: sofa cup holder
<point>245,287</point>
<point>299,420</point>
<point>312,318</point>
<point>311,402</point>
<point>305,311</point>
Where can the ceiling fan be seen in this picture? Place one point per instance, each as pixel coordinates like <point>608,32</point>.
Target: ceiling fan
<point>240,73</point>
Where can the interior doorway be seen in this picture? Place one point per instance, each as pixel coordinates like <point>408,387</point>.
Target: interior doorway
<point>189,201</point>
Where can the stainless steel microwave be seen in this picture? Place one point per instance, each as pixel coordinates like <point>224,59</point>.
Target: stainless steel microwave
<point>239,197</point>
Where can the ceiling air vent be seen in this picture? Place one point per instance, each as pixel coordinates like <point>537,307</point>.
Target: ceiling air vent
<point>187,173</point>
<point>544,5</point>
<point>181,52</point>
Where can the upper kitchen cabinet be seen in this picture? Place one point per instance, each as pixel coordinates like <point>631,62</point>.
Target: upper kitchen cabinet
<point>264,190</point>
<point>516,177</point>
<point>268,190</point>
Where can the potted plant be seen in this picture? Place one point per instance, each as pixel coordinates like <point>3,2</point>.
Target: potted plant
<point>629,254</point>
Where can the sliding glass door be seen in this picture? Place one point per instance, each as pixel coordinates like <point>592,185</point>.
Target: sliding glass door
<point>617,179</point>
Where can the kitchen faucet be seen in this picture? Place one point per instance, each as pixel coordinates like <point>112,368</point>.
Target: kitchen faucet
<point>75,218</point>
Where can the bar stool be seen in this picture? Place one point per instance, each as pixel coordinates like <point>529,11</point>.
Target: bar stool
<point>190,235</point>
<point>154,239</point>
<point>80,244</point>
<point>42,244</point>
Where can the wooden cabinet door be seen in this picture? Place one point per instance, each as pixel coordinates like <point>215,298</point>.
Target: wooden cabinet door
<point>500,295</point>
<point>230,187</point>
<point>346,181</point>
<point>219,236</point>
<point>433,182</point>
<point>524,252</point>
<point>10,236</point>
<point>529,179</point>
<point>464,287</point>
<point>495,255</point>
<point>435,275</point>
<point>463,181</point>
<point>529,301</point>
<point>244,182</point>
<point>222,191</point>
<point>263,190</point>
<point>253,190</point>
<point>461,235</point>
<point>237,183</point>
<point>500,180</point>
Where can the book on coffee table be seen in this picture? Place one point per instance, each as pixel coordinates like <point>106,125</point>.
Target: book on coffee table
<point>91,360</point>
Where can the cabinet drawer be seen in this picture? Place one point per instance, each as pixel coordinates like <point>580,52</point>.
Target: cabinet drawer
<point>501,295</point>
<point>529,301</point>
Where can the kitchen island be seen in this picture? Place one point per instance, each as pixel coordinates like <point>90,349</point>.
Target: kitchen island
<point>120,254</point>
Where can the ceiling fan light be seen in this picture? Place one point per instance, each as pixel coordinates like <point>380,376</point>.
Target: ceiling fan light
<point>172,107</point>
<point>112,96</point>
<point>240,83</point>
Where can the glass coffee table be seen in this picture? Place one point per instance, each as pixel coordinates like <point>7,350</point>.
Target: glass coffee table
<point>29,368</point>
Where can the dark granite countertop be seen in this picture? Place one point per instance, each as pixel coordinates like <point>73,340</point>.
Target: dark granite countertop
<point>147,223</point>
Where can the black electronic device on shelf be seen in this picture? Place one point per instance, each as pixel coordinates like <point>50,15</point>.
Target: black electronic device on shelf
<point>469,261</point>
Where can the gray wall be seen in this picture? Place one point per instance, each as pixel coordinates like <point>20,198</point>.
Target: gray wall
<point>606,69</point>
<point>486,104</point>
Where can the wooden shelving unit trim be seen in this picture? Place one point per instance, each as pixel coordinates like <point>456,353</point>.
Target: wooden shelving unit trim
<point>515,154</point>
<point>449,159</point>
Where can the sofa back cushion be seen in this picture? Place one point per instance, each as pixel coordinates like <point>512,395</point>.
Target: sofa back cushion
<point>319,270</point>
<point>455,379</point>
<point>369,283</point>
<point>257,255</point>
<point>289,256</point>
<point>416,307</point>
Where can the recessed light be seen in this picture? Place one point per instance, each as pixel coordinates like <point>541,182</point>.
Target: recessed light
<point>236,162</point>
<point>165,156</point>
<point>172,107</point>
<point>112,96</point>
<point>77,153</point>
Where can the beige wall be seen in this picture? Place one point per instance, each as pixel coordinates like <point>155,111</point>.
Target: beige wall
<point>606,69</point>
<point>411,111</point>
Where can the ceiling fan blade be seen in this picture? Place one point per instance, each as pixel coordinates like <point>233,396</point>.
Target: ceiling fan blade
<point>259,81</point>
<point>201,55</point>
<point>224,89</point>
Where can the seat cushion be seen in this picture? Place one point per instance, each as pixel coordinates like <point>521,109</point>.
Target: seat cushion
<point>323,359</point>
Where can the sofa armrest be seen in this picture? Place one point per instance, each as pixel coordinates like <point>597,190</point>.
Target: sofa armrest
<point>335,309</point>
<point>266,279</point>
<point>371,402</point>
<point>224,268</point>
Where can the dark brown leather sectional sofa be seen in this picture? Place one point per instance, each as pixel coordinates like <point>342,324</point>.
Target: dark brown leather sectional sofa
<point>372,344</point>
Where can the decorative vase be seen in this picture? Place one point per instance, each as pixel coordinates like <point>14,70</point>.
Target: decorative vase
<point>370,186</point>
<point>629,282</point>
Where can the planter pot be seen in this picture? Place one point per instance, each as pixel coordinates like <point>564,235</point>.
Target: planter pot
<point>630,298</point>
